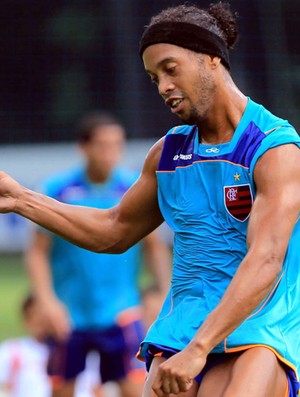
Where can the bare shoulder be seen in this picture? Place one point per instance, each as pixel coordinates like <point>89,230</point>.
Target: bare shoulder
<point>154,154</point>
<point>278,170</point>
<point>277,201</point>
<point>279,162</point>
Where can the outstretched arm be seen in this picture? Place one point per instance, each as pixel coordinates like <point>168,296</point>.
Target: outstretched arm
<point>113,230</point>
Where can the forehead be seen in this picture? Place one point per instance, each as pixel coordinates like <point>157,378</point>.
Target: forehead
<point>108,132</point>
<point>157,55</point>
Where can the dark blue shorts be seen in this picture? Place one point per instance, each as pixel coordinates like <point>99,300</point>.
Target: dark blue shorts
<point>212,360</point>
<point>117,347</point>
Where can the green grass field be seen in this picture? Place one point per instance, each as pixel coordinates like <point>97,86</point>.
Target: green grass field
<point>13,287</point>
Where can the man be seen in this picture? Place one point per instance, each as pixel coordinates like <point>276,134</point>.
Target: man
<point>228,184</point>
<point>93,300</point>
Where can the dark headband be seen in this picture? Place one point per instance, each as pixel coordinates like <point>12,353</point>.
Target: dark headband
<point>186,35</point>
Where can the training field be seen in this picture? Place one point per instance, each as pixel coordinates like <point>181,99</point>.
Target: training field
<point>13,287</point>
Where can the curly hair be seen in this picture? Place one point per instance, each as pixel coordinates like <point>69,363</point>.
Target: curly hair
<point>217,18</point>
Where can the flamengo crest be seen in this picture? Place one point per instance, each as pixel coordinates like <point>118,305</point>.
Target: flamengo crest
<point>238,201</point>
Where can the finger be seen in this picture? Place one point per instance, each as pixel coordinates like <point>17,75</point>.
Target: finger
<point>166,385</point>
<point>174,386</point>
<point>184,384</point>
<point>157,387</point>
<point>157,390</point>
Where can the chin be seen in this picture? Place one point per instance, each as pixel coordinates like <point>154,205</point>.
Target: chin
<point>185,119</point>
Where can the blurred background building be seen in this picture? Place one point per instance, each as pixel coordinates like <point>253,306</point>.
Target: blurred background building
<point>61,58</point>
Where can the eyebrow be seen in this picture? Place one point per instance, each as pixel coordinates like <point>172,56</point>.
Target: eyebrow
<point>162,62</point>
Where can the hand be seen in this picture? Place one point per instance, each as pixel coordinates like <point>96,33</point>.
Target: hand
<point>9,193</point>
<point>57,317</point>
<point>177,373</point>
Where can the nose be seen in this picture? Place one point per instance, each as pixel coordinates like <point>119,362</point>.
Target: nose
<point>165,86</point>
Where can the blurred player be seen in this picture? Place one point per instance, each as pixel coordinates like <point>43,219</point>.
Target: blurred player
<point>93,300</point>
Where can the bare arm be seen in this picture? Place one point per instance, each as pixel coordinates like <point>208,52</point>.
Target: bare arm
<point>158,259</point>
<point>273,216</point>
<point>113,230</point>
<point>39,271</point>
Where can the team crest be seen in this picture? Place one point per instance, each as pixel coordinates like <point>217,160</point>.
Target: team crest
<point>238,201</point>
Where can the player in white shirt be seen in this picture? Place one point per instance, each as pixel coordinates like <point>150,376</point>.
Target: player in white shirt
<point>23,360</point>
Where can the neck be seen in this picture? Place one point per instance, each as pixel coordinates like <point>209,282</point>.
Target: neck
<point>224,117</point>
<point>215,140</point>
<point>95,176</point>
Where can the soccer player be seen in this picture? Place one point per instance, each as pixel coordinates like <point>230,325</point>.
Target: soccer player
<point>93,300</point>
<point>227,182</point>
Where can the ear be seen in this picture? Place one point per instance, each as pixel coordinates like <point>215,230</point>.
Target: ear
<point>214,61</point>
<point>82,147</point>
